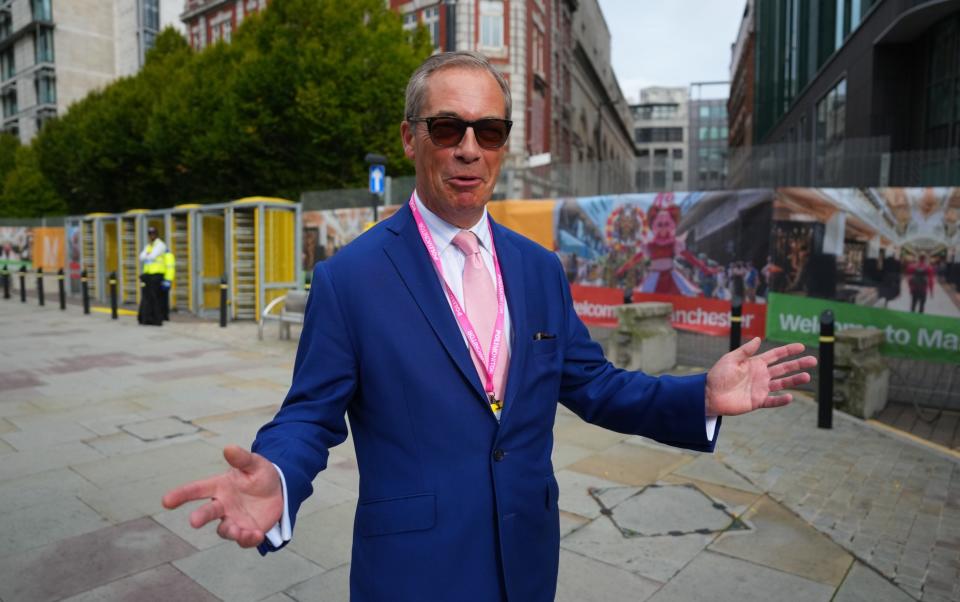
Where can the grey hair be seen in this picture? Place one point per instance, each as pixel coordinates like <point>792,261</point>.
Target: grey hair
<point>417,86</point>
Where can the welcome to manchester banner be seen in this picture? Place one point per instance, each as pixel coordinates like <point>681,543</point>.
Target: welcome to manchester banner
<point>791,318</point>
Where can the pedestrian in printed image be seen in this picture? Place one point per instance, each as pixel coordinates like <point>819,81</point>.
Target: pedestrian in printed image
<point>920,279</point>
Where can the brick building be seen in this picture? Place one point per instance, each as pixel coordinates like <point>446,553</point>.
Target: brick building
<point>209,21</point>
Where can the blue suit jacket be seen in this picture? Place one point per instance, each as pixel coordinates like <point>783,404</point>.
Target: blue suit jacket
<point>453,505</point>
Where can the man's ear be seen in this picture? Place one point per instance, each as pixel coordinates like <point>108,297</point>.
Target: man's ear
<point>406,136</point>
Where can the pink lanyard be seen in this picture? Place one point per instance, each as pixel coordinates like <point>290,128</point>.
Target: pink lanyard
<point>490,363</point>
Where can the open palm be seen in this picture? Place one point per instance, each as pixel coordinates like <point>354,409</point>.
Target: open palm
<point>741,382</point>
<point>247,499</point>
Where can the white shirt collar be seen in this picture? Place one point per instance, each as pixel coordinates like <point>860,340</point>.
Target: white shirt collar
<point>443,232</point>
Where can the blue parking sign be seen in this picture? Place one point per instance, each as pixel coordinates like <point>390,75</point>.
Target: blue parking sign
<point>377,175</point>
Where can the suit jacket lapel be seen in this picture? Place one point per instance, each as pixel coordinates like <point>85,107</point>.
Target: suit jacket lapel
<point>410,258</point>
<point>511,265</point>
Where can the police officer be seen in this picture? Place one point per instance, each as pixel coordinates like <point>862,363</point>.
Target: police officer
<point>153,271</point>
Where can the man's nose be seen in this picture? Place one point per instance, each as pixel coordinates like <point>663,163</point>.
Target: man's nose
<point>468,150</point>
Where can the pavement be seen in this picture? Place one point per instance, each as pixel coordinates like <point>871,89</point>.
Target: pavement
<point>98,418</point>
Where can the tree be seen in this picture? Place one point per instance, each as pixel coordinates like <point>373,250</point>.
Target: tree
<point>26,191</point>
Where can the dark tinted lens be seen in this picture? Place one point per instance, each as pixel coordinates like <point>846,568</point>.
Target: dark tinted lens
<point>447,131</point>
<point>491,133</point>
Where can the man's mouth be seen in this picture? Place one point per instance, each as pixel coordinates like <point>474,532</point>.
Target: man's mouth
<point>465,181</point>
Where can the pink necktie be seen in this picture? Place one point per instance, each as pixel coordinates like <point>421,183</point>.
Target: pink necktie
<point>480,303</point>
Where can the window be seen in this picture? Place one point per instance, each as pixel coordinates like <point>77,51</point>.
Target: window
<point>10,103</point>
<point>678,176</point>
<point>44,45</point>
<point>661,111</point>
<point>659,134</point>
<point>431,20</point>
<point>41,10</point>
<point>659,157</point>
<point>46,88</point>
<point>678,153</point>
<point>6,25</point>
<point>704,112</point>
<point>643,180</point>
<point>704,133</point>
<point>410,21</point>
<point>491,23</point>
<point>659,180</point>
<point>7,65</point>
<point>151,15</point>
<point>831,131</point>
<point>222,31</point>
<point>539,53</point>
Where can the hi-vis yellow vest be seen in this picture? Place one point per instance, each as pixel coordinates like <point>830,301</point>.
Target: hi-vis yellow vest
<point>156,266</point>
<point>170,266</point>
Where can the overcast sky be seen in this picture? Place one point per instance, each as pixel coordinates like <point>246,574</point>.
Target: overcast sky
<point>671,42</point>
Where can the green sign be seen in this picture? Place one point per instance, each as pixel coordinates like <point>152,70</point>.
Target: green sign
<point>917,336</point>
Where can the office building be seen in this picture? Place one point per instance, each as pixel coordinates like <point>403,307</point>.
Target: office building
<point>858,92</point>
<point>54,53</point>
<point>740,103</point>
<point>660,126</point>
<point>708,135</point>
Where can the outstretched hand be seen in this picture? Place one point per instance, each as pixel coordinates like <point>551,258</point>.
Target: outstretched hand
<point>741,382</point>
<point>247,499</point>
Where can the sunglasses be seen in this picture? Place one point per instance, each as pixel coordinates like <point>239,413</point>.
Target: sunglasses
<point>449,131</point>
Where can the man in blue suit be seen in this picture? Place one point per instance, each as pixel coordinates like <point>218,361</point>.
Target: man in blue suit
<point>453,427</point>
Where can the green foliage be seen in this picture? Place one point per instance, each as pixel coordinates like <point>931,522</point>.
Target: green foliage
<point>26,191</point>
<point>303,92</point>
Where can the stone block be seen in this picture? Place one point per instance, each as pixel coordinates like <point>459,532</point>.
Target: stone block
<point>861,375</point>
<point>644,340</point>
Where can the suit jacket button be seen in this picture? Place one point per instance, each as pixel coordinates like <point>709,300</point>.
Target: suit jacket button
<point>498,455</point>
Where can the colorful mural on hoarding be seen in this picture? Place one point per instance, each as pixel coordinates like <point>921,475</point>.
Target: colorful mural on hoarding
<point>888,258</point>
<point>16,247</point>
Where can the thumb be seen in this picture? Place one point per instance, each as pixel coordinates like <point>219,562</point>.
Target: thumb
<point>746,350</point>
<point>239,458</point>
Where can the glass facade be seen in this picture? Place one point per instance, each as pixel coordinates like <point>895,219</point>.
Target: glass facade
<point>942,128</point>
<point>794,40</point>
<point>43,45</point>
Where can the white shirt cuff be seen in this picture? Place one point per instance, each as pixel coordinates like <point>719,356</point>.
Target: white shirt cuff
<point>281,532</point>
<point>711,435</point>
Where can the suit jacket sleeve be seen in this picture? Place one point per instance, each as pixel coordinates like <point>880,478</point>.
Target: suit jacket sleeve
<point>668,409</point>
<point>312,418</point>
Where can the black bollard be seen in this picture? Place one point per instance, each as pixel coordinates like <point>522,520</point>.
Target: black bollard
<point>40,286</point>
<point>223,303</point>
<point>23,284</point>
<point>113,295</point>
<point>6,282</point>
<point>736,321</point>
<point>825,367</point>
<point>85,292</point>
<point>63,290</point>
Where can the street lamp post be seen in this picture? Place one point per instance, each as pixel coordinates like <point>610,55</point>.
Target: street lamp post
<point>451,9</point>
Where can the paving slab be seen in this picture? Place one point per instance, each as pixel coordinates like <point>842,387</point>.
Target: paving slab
<point>575,492</point>
<point>583,579</point>
<point>117,470</point>
<point>239,575</point>
<point>160,428</point>
<point>574,431</point>
<point>670,510</point>
<point>25,463</point>
<point>326,537</point>
<point>88,561</point>
<point>779,540</point>
<point>37,525</point>
<point>715,577</point>
<point>331,586</point>
<point>161,584</point>
<point>657,558</point>
<point>565,454</point>
<point>709,469</point>
<point>864,585</point>
<point>631,464</point>
<point>736,501</point>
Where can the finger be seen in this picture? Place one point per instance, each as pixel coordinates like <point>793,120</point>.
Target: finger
<point>776,401</point>
<point>746,350</point>
<point>206,513</point>
<point>789,382</point>
<point>784,351</point>
<point>239,458</point>
<point>223,529</point>
<point>802,363</point>
<point>249,538</point>
<point>197,490</point>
